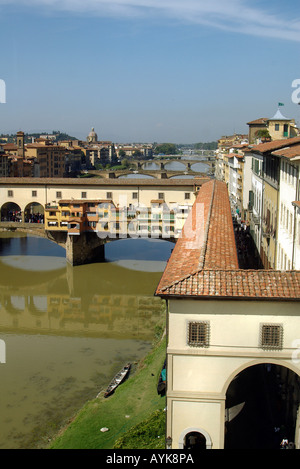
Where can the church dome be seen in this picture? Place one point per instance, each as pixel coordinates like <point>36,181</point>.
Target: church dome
<point>92,137</point>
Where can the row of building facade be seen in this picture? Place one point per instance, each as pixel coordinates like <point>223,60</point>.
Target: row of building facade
<point>46,158</point>
<point>262,177</point>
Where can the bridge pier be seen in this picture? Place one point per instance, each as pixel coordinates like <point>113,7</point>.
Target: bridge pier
<point>84,249</point>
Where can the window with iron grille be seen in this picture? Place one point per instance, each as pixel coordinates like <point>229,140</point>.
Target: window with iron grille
<point>198,334</point>
<point>271,336</point>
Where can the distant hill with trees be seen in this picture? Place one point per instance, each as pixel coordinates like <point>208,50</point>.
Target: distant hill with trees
<point>28,136</point>
<point>165,148</point>
<point>206,146</point>
<point>176,149</point>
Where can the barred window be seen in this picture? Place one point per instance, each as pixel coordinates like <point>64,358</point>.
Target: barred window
<point>271,336</point>
<point>198,334</point>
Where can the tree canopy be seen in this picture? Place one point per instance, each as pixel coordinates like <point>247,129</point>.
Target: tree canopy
<point>166,149</point>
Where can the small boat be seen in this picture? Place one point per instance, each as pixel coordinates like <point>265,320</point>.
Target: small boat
<point>118,379</point>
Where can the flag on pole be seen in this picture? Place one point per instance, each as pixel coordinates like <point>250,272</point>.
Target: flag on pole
<point>280,104</point>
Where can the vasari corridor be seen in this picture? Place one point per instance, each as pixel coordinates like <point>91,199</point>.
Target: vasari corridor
<point>150,228</point>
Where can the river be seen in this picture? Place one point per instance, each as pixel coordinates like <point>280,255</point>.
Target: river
<point>68,330</point>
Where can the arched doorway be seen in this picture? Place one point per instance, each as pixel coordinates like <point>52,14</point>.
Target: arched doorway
<point>11,212</point>
<point>261,407</point>
<point>194,439</point>
<point>34,213</point>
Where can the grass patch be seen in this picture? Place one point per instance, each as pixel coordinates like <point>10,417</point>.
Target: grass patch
<point>132,414</point>
<point>149,434</point>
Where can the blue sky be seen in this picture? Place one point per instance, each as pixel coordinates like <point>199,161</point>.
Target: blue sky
<point>180,71</point>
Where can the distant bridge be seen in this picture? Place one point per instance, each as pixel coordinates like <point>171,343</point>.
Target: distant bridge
<point>162,172</point>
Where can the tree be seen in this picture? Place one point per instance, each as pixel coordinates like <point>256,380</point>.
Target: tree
<point>166,148</point>
<point>263,134</point>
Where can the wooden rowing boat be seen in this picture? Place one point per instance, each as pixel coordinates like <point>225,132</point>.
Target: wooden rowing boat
<point>117,380</point>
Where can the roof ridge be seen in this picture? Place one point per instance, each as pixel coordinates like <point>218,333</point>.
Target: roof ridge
<point>204,245</point>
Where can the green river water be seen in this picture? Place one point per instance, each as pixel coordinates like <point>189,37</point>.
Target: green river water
<point>67,330</point>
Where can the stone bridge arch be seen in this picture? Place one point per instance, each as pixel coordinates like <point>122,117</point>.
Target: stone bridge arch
<point>11,211</point>
<point>34,213</point>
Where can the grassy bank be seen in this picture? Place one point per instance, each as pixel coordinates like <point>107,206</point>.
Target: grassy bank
<point>133,414</point>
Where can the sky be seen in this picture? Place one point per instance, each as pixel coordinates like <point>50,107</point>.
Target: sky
<point>180,71</point>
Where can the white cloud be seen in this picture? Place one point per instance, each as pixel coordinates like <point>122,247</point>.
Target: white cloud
<point>240,16</point>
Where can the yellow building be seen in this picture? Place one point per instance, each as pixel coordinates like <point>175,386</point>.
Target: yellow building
<point>48,158</point>
<point>276,128</point>
<point>79,216</point>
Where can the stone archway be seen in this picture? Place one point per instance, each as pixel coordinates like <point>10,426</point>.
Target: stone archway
<point>11,211</point>
<point>34,213</point>
<point>194,439</point>
<point>262,403</point>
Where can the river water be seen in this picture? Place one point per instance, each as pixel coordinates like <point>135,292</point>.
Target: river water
<point>67,330</point>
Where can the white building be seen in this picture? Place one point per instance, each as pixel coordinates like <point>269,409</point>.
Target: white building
<point>257,199</point>
<point>232,334</point>
<point>288,252</point>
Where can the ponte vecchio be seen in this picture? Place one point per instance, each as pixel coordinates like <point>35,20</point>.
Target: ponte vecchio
<point>83,214</point>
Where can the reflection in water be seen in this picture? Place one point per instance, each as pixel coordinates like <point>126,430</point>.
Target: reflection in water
<point>200,167</point>
<point>69,330</point>
<point>151,166</point>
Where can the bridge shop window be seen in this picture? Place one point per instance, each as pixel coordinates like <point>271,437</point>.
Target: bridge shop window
<point>187,196</point>
<point>10,193</point>
<point>198,334</point>
<point>161,196</point>
<point>109,195</point>
<point>83,195</point>
<point>134,195</point>
<point>271,336</point>
<point>34,194</point>
<point>58,195</point>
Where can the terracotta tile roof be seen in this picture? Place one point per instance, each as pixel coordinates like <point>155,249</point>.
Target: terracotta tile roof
<point>103,182</point>
<point>275,145</point>
<point>242,284</point>
<point>199,245</point>
<point>262,120</point>
<point>289,152</point>
<point>204,262</point>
